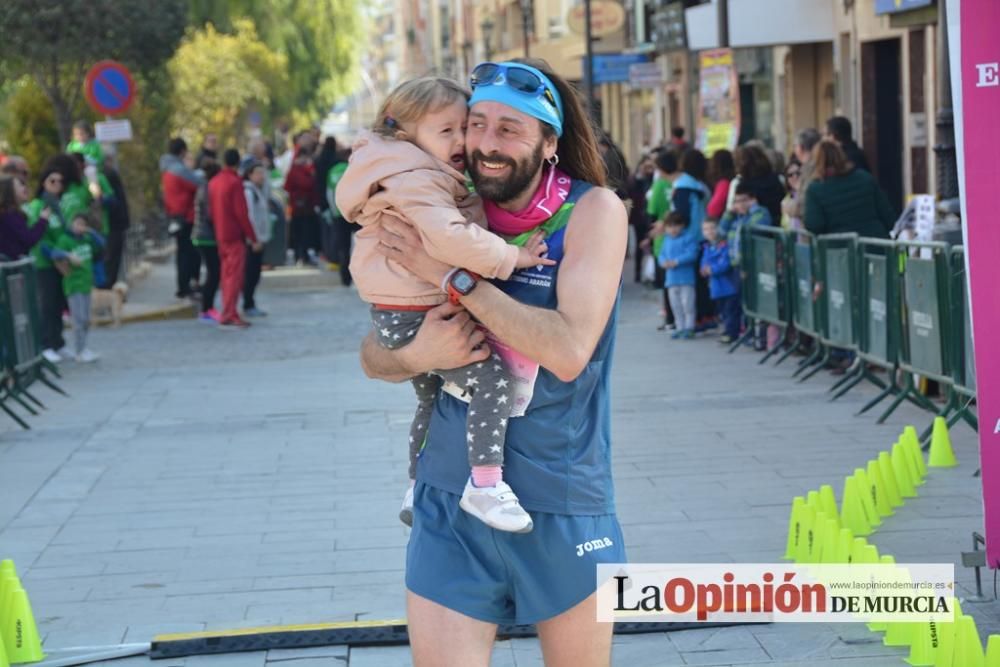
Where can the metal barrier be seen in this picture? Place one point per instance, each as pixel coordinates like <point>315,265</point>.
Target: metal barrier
<point>806,314</point>
<point>878,320</point>
<point>837,281</point>
<point>766,297</point>
<point>23,363</point>
<point>962,390</point>
<point>924,307</point>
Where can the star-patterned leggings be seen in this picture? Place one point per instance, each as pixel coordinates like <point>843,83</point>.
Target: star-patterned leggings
<point>486,383</point>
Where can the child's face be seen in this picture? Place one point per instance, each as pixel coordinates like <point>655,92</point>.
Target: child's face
<point>710,230</point>
<point>79,226</point>
<point>742,203</point>
<point>442,134</point>
<point>674,230</point>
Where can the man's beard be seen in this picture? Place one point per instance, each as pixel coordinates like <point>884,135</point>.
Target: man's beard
<point>517,180</point>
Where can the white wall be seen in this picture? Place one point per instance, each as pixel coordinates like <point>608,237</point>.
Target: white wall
<point>763,23</point>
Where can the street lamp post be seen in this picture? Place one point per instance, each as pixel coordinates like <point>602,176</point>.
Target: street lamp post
<point>487,29</point>
<point>527,24</point>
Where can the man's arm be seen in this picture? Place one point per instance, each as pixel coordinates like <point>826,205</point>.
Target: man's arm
<point>563,340</point>
<point>447,339</point>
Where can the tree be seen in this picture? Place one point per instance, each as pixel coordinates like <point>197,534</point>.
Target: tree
<point>56,41</point>
<point>219,78</point>
<point>320,38</point>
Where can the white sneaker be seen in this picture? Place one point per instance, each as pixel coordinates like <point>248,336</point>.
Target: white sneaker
<point>496,506</point>
<point>52,356</point>
<point>406,511</point>
<point>87,356</point>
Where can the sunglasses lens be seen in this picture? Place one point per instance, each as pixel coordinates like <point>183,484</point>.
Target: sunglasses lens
<point>485,73</point>
<point>523,80</point>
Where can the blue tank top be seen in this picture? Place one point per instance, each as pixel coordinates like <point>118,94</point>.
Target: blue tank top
<point>558,455</point>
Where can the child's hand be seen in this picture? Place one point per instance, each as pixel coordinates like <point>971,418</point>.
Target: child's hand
<point>670,264</point>
<point>533,251</point>
<point>706,271</point>
<point>75,259</point>
<point>46,213</point>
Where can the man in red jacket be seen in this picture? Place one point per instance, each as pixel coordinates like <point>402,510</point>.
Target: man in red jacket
<point>233,232</point>
<point>180,183</point>
<point>300,184</point>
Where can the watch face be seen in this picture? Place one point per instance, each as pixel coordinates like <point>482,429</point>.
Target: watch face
<point>463,282</point>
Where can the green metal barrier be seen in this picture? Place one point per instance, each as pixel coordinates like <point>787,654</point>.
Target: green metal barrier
<point>925,342</point>
<point>806,314</point>
<point>878,317</point>
<point>837,278</point>
<point>766,295</point>
<point>962,391</point>
<point>23,363</point>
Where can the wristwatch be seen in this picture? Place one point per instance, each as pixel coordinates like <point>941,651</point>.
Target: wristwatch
<point>460,282</point>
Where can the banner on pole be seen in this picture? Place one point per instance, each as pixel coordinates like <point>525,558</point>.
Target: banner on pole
<point>975,75</point>
<point>718,102</point>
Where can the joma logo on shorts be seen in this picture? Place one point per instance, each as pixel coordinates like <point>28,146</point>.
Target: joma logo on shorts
<point>593,545</point>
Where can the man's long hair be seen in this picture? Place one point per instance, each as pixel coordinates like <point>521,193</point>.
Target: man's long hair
<point>578,154</point>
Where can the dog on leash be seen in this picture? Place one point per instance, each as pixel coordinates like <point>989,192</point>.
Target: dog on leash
<point>109,300</point>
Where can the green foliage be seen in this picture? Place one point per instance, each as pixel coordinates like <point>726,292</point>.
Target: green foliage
<point>219,78</point>
<point>28,124</point>
<point>56,41</point>
<point>320,38</point>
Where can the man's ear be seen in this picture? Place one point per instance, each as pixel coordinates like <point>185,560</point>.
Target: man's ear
<point>550,144</point>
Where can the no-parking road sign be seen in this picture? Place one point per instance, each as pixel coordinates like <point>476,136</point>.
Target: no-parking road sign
<point>109,88</point>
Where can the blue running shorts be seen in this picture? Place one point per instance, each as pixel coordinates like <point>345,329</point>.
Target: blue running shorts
<point>457,561</point>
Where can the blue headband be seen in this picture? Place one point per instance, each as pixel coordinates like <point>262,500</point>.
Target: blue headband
<point>536,106</point>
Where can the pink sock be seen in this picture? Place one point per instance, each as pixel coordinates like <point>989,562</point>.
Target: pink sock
<point>486,475</point>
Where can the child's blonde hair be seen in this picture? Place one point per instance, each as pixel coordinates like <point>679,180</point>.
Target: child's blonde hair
<point>414,99</point>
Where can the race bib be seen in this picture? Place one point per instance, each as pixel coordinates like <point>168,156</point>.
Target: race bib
<point>522,370</point>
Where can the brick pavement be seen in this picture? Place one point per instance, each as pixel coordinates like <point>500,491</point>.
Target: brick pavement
<point>204,479</point>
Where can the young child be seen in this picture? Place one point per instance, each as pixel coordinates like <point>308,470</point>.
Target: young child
<point>723,283</point>
<point>745,211</point>
<point>659,200</point>
<point>79,245</point>
<point>678,256</point>
<point>411,166</point>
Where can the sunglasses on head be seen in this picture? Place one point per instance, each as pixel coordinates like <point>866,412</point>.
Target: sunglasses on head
<point>521,80</point>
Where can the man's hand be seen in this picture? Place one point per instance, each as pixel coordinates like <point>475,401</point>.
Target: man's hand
<point>257,246</point>
<point>401,243</point>
<point>448,338</point>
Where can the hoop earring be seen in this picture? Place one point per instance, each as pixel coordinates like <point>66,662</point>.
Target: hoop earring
<point>554,160</point>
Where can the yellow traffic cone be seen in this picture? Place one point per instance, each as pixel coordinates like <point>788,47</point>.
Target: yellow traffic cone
<point>946,642</point>
<point>879,493</point>
<point>852,511</point>
<point>882,626</point>
<point>865,487</point>
<point>794,527</point>
<point>805,535</point>
<point>20,632</point>
<point>857,545</point>
<point>899,634</point>
<point>923,650</point>
<point>814,538</point>
<point>993,651</point>
<point>968,647</point>
<point>828,501</point>
<point>901,466</point>
<point>942,455</point>
<point>812,499</point>
<point>911,441</point>
<point>4,662</point>
<point>845,541</point>
<point>829,537</point>
<point>889,478</point>
<point>868,555</point>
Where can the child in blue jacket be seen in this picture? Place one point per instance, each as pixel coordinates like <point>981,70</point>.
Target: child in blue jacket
<point>723,281</point>
<point>679,256</point>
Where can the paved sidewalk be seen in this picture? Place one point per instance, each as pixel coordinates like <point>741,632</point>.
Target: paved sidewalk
<point>205,479</point>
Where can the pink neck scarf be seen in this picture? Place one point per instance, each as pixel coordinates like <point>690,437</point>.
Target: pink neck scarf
<point>552,193</point>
